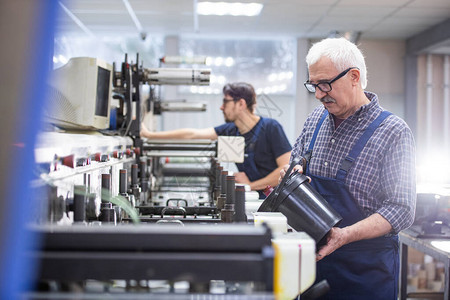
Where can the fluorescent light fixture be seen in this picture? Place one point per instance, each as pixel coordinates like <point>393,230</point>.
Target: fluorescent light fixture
<point>76,20</point>
<point>227,8</point>
<point>134,17</point>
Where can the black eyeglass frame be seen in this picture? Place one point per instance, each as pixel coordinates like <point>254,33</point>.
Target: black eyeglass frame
<point>225,101</point>
<point>326,85</point>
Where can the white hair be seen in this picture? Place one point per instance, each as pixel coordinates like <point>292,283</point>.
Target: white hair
<point>343,53</point>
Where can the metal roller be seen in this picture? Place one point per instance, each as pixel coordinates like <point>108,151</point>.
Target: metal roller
<point>176,76</point>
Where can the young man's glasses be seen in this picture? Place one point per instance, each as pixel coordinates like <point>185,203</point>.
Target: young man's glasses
<point>325,86</point>
<point>225,100</point>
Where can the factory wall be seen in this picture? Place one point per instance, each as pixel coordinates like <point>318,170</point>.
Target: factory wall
<point>432,90</point>
<point>385,65</point>
<point>433,113</point>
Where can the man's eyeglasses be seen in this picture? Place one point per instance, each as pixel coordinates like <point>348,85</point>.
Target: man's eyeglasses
<point>225,101</point>
<point>325,86</point>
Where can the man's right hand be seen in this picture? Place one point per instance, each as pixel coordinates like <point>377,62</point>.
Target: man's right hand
<point>285,168</point>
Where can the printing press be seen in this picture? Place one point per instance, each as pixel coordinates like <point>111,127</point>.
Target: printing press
<point>132,218</point>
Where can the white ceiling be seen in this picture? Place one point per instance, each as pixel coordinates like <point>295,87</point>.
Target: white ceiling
<point>380,19</point>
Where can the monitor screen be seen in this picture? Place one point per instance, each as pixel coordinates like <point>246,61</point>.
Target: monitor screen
<point>103,84</point>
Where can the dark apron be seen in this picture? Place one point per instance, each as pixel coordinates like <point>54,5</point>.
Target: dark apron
<point>249,164</point>
<point>366,269</point>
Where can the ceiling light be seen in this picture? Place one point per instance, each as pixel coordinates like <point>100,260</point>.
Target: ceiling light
<point>76,20</point>
<point>226,8</point>
<point>135,19</point>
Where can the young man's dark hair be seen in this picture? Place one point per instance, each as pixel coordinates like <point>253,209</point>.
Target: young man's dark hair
<point>241,90</point>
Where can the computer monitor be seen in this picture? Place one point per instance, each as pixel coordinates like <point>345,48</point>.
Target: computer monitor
<point>80,94</point>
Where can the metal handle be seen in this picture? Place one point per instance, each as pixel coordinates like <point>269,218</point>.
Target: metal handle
<point>294,162</point>
<point>178,201</point>
<point>173,211</point>
<point>177,222</point>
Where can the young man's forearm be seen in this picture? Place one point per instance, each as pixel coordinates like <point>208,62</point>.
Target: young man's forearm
<point>271,179</point>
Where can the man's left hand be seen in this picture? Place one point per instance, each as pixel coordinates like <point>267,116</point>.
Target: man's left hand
<point>337,237</point>
<point>371,227</point>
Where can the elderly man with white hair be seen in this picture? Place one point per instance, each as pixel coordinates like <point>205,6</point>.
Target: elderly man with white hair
<point>361,159</point>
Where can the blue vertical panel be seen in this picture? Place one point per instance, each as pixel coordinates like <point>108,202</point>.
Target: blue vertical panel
<point>17,272</point>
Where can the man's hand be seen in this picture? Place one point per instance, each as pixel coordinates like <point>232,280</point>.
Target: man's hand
<point>371,227</point>
<point>241,177</point>
<point>145,133</point>
<point>337,237</point>
<point>284,170</point>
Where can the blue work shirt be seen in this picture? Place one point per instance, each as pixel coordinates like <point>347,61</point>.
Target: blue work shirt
<point>270,144</point>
